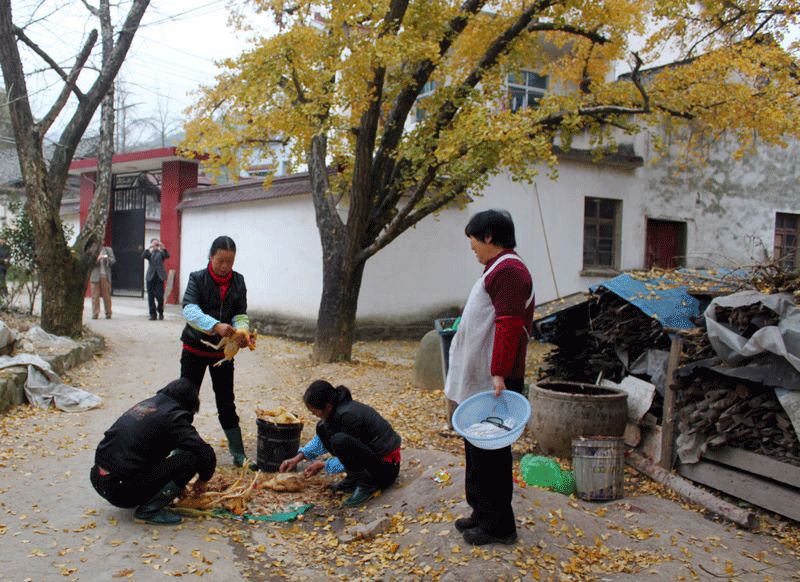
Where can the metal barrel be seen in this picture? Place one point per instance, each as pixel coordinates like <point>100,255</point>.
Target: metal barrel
<point>276,443</point>
<point>599,466</point>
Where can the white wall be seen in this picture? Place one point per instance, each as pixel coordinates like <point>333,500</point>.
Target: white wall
<point>431,268</point>
<point>277,251</point>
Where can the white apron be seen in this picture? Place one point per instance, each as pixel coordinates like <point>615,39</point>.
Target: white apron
<point>471,349</point>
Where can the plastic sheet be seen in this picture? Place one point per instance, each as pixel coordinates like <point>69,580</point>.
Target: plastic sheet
<point>44,388</point>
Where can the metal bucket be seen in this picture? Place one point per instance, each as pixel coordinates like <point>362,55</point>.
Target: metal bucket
<point>599,466</point>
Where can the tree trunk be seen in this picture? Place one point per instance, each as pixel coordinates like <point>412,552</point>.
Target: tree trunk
<point>63,289</point>
<point>336,321</point>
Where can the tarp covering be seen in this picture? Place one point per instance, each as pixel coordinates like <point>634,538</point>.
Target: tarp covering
<point>44,388</point>
<point>781,341</point>
<point>659,298</point>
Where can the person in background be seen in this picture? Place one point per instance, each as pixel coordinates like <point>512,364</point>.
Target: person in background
<point>5,260</point>
<point>215,306</point>
<point>101,282</point>
<point>488,351</point>
<point>363,442</point>
<point>151,452</point>
<point>156,277</point>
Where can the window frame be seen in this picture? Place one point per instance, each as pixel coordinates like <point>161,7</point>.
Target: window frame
<point>536,90</point>
<point>781,252</point>
<point>426,91</point>
<point>597,221</point>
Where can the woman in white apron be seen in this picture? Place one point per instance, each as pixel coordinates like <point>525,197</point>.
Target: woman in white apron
<point>488,351</point>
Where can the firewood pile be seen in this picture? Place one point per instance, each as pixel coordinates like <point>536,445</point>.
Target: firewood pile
<point>610,327</point>
<point>717,410</point>
<point>722,411</point>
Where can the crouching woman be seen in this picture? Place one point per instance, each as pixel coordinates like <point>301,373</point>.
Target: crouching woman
<point>363,443</point>
<point>151,452</point>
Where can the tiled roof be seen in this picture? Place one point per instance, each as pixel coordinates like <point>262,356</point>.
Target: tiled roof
<point>247,191</point>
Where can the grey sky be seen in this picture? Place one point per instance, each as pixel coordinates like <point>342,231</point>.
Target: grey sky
<point>173,52</point>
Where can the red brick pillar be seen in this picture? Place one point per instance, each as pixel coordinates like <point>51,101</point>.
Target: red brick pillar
<point>87,193</point>
<point>177,177</point>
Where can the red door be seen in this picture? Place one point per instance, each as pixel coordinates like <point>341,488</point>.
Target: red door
<point>664,248</point>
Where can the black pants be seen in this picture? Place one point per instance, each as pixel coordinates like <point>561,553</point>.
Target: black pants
<point>361,463</point>
<point>134,491</point>
<point>489,483</point>
<point>155,296</point>
<point>193,367</point>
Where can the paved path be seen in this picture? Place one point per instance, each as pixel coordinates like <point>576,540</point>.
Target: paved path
<point>53,525</point>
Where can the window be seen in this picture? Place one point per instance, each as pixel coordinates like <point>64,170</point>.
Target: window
<point>785,248</point>
<point>601,233</point>
<point>525,89</point>
<point>426,91</point>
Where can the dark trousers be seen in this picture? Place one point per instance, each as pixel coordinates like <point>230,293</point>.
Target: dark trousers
<point>193,367</point>
<point>134,491</point>
<point>489,483</point>
<point>363,464</point>
<point>155,296</point>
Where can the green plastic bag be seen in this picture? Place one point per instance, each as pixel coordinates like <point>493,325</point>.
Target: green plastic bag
<point>546,473</point>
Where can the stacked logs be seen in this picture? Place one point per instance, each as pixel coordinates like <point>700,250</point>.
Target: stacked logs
<point>612,328</point>
<point>723,411</point>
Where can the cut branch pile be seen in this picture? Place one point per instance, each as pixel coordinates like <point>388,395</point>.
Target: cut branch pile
<point>612,329</point>
<point>723,411</point>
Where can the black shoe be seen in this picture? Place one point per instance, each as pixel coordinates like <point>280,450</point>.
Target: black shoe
<point>161,316</point>
<point>345,485</point>
<point>464,523</point>
<point>477,537</point>
<point>152,318</point>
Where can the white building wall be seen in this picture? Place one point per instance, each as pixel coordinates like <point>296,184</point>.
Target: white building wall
<point>729,211</point>
<point>277,251</point>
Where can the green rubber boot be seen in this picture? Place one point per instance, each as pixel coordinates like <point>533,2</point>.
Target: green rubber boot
<point>153,511</point>
<point>361,495</point>
<point>235,445</point>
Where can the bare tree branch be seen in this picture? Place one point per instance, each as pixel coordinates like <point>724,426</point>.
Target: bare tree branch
<point>20,34</point>
<point>69,84</point>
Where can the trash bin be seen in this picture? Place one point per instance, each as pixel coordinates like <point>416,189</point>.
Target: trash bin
<point>446,332</point>
<point>276,443</point>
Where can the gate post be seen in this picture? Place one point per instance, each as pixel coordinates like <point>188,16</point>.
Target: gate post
<point>177,177</point>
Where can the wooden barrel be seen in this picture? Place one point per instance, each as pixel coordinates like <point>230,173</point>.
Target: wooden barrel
<point>599,466</point>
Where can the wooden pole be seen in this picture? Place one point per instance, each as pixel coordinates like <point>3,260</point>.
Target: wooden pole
<point>687,490</point>
<point>668,419</point>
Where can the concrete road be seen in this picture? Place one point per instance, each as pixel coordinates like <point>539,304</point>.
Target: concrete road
<point>53,526</point>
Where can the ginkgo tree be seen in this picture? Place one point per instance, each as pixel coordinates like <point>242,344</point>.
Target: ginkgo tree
<point>398,108</point>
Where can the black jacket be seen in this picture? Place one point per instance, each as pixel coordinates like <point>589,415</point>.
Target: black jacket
<point>155,263</point>
<point>204,292</point>
<point>362,422</point>
<point>147,433</point>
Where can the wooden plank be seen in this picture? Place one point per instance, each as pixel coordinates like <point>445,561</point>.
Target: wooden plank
<point>668,419</point>
<point>755,463</point>
<point>762,492</point>
<point>688,490</point>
